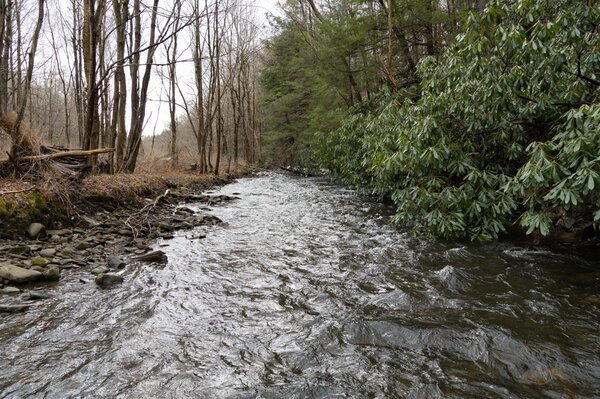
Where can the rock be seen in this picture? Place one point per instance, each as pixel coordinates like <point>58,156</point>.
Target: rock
<point>37,295</point>
<point>51,273</point>
<point>55,238</point>
<point>61,232</point>
<point>48,253</point>
<point>67,251</point>
<point>154,256</point>
<point>14,308</point>
<point>37,268</point>
<point>17,250</point>
<point>18,274</point>
<point>36,230</point>
<point>184,211</point>
<point>91,222</point>
<point>100,270</point>
<point>10,290</point>
<point>114,262</point>
<point>81,245</point>
<point>165,226</point>
<point>107,279</point>
<point>39,261</point>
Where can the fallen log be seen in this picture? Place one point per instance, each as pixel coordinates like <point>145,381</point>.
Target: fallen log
<point>65,154</point>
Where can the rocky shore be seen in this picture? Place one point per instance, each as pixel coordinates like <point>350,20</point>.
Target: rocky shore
<point>100,244</point>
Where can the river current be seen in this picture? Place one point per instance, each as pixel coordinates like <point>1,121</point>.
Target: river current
<point>306,291</point>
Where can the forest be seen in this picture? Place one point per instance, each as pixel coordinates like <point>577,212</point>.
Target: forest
<point>94,74</point>
<point>473,117</point>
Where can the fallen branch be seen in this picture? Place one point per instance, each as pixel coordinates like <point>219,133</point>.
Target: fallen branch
<point>17,191</point>
<point>146,209</point>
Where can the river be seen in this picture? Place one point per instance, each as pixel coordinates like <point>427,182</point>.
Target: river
<point>306,291</point>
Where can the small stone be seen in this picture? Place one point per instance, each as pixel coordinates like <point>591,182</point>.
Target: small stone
<point>10,290</point>
<point>184,211</point>
<point>91,222</point>
<point>67,251</point>
<point>37,295</point>
<point>107,279</point>
<point>100,270</point>
<point>81,245</point>
<point>48,253</point>
<point>114,262</point>
<point>39,261</point>
<point>154,256</point>
<point>36,230</point>
<point>14,308</point>
<point>51,273</point>
<point>18,274</point>
<point>60,232</point>
<point>17,250</point>
<point>55,238</point>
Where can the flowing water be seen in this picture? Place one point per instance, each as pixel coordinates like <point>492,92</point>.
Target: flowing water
<point>305,291</point>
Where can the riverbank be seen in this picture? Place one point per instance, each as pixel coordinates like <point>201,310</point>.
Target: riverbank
<point>94,228</point>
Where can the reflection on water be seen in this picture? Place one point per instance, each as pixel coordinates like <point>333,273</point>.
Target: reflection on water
<point>305,291</point>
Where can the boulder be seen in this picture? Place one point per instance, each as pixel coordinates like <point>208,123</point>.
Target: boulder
<point>36,230</point>
<point>108,279</point>
<point>18,274</point>
<point>51,273</point>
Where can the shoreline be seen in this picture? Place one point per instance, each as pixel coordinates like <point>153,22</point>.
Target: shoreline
<point>107,229</point>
